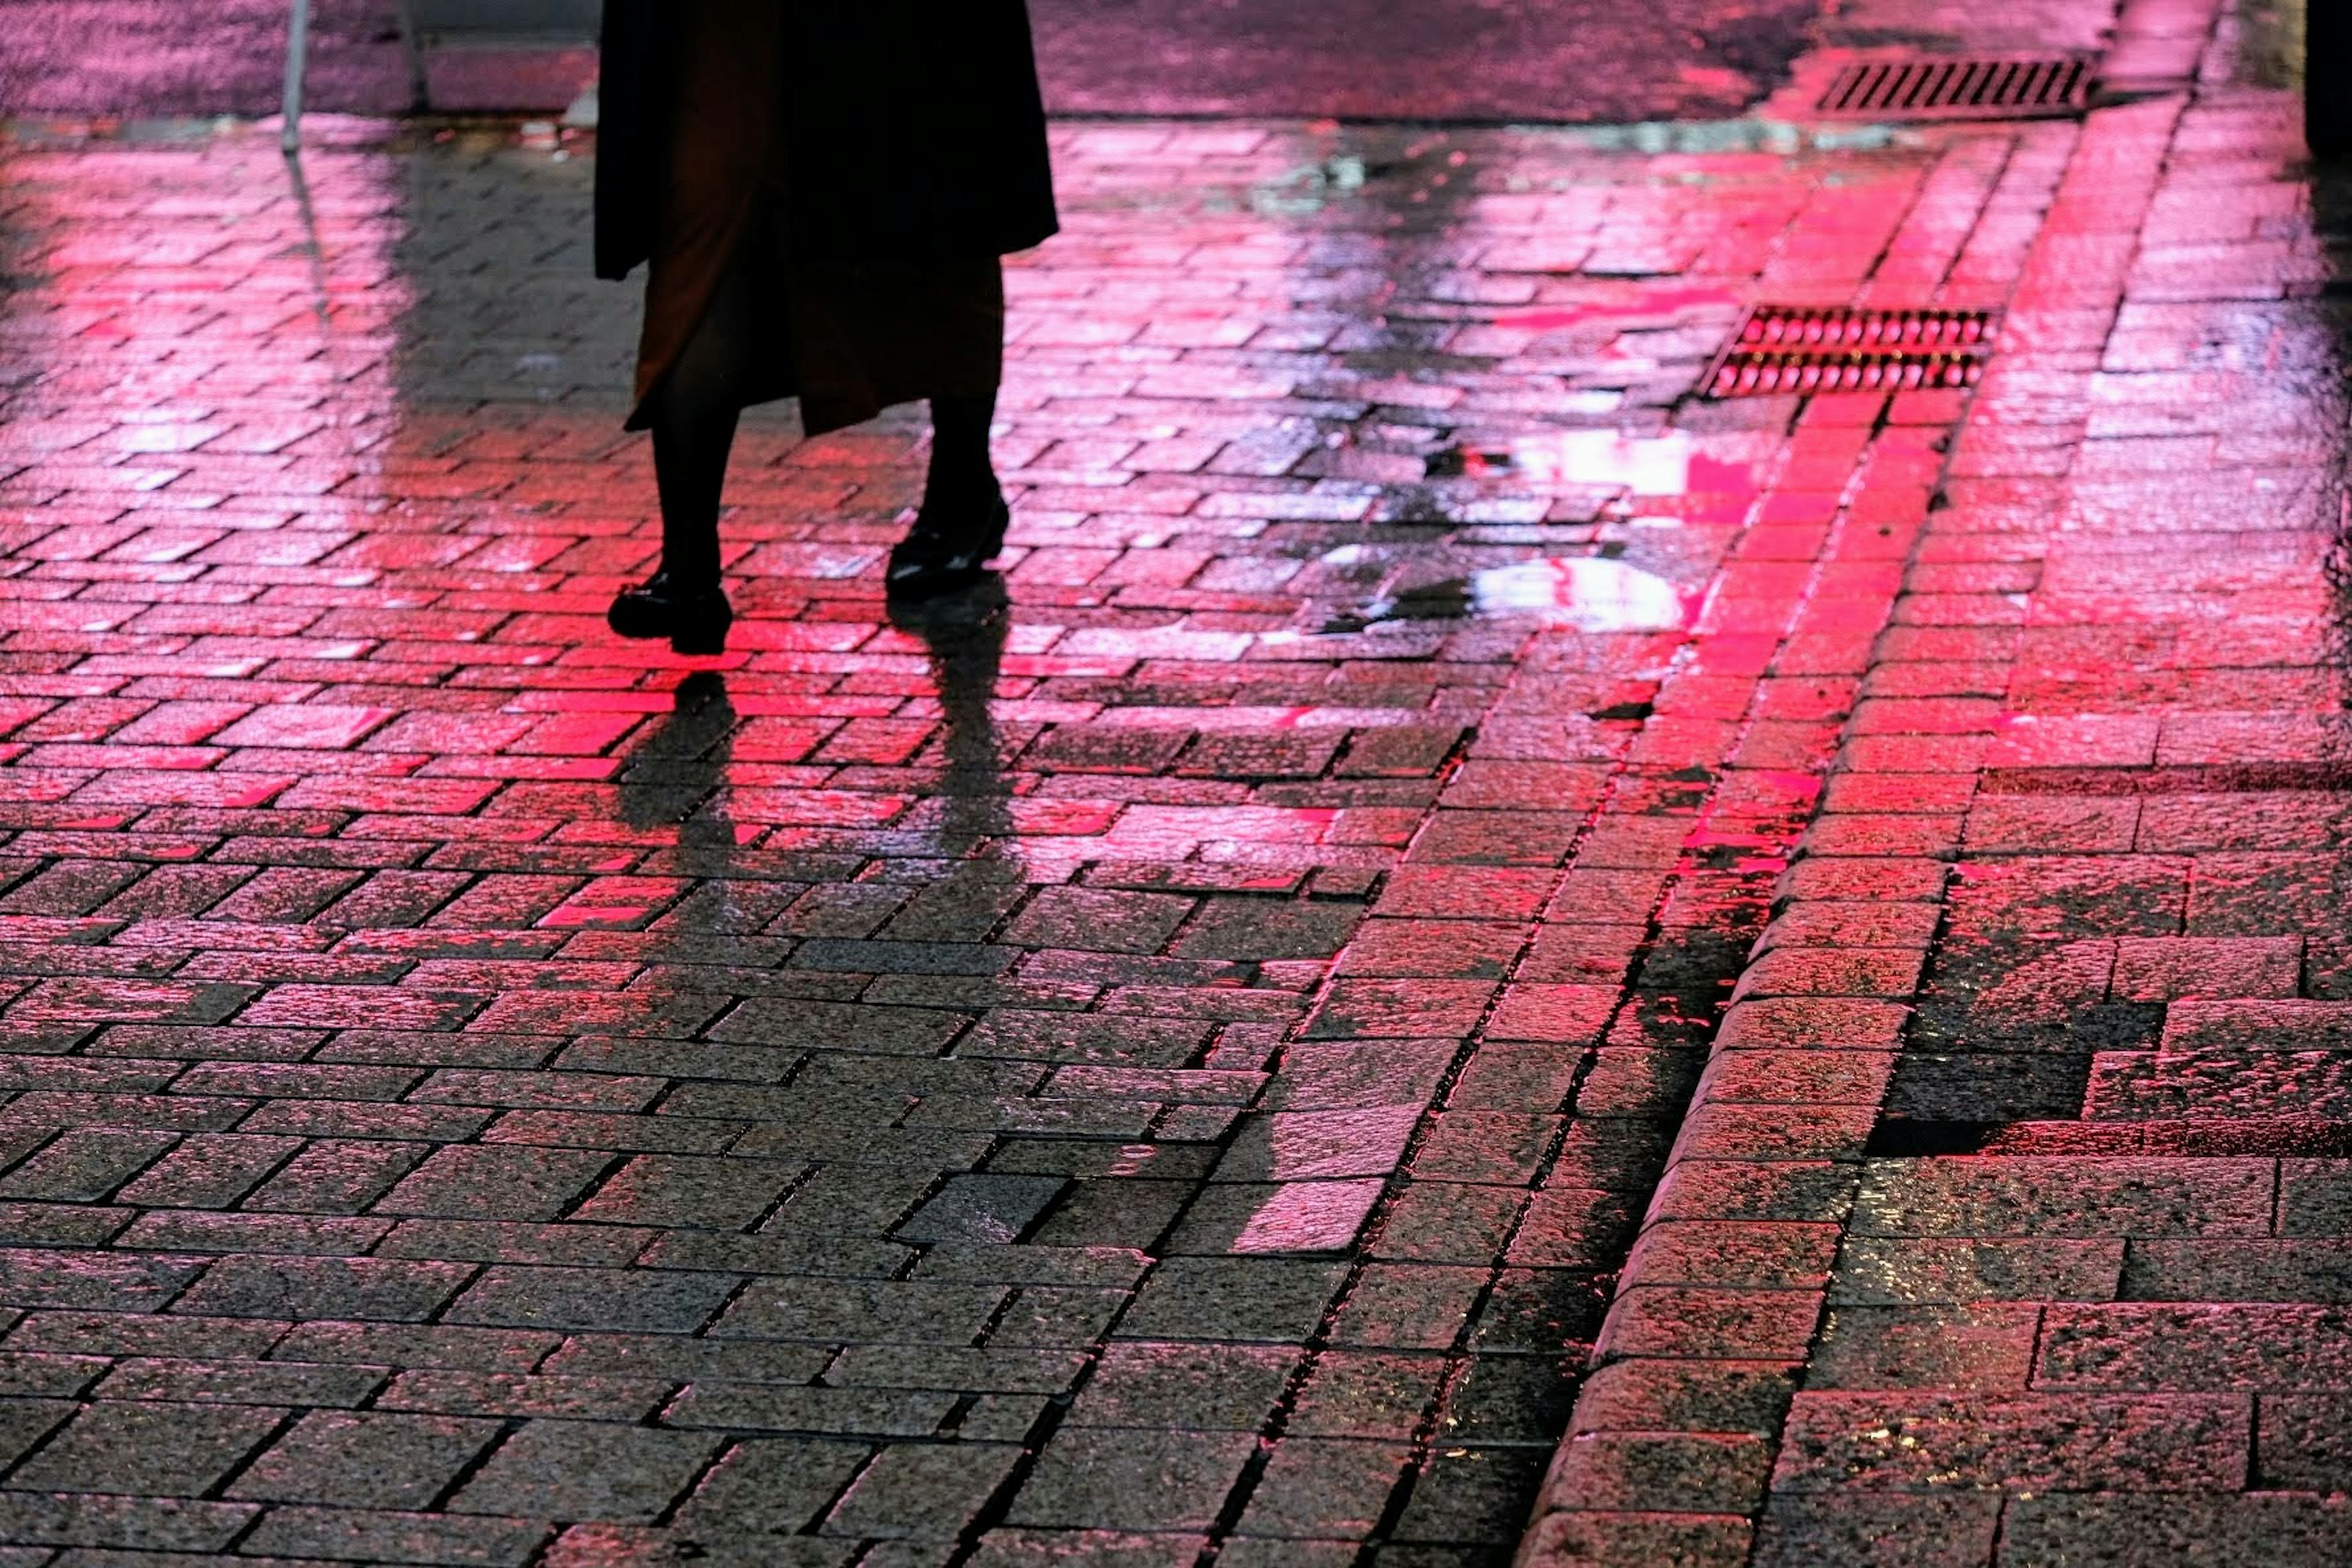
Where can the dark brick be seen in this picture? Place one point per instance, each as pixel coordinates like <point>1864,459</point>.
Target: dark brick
<point>634,1301</point>
<point>1849,1529</point>
<point>364,1460</point>
<point>474,1181</point>
<point>2040,1442</point>
<point>2131,1530</point>
<point>1108,1480</point>
<point>365,1536</point>
<point>684,1191</point>
<point>1320,1487</point>
<point>772,1487</point>
<point>314,1288</point>
<point>1233,1298</point>
<point>922,1491</point>
<point>565,1470</point>
<point>148,1449</point>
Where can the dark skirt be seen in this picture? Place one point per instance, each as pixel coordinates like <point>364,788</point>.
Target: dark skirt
<point>848,339</point>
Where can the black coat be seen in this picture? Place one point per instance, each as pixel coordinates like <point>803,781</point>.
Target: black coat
<point>916,130</point>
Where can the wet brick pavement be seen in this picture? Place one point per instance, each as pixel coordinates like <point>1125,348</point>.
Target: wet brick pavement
<point>1202,1090</point>
<point>1175,1060</point>
<point>1434,60</point>
<point>2007,1227</point>
<point>1576,61</point>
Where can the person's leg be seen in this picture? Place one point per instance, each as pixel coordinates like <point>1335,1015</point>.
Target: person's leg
<point>694,412</point>
<point>694,419</point>
<point>963,516</point>
<point>2327,110</point>
<point>960,306</point>
<point>961,475</point>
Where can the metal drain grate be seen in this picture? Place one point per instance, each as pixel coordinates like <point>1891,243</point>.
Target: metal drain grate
<point>1803,330</point>
<point>1960,89</point>
<point>1781,349</point>
<point>1761,376</point>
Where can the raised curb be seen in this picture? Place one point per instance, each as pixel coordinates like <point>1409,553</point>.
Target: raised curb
<point>1671,1448</point>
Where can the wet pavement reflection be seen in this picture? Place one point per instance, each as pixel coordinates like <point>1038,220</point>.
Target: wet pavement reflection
<point>963,637</point>
<point>1588,595</point>
<point>1171,1056</point>
<point>922,1057</point>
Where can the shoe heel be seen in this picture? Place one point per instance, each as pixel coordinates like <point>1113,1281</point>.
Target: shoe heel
<point>703,631</point>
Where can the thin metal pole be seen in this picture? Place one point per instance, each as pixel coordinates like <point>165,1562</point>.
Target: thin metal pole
<point>298,58</point>
<point>315,249</point>
<point>412,55</point>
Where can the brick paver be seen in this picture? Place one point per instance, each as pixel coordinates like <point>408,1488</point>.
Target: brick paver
<point>1178,1057</point>
<point>1174,1059</point>
<point>2002,1229</point>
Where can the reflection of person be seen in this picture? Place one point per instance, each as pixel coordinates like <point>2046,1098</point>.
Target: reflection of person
<point>673,777</point>
<point>823,191</point>
<point>965,639</point>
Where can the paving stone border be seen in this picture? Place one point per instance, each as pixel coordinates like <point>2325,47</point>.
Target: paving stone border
<point>1673,1442</point>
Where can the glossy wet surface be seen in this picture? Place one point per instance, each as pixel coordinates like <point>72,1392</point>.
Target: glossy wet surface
<point>1170,1057</point>
<point>1131,1059</point>
<point>1438,59</point>
<point>2134,1004</point>
<point>2008,1229</point>
<point>1567,60</point>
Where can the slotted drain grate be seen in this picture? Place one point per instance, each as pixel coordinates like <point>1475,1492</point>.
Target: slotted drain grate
<point>1781,349</point>
<point>1761,376</point>
<point>1797,329</point>
<point>1960,89</point>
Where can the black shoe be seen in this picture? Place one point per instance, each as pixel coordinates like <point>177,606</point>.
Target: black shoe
<point>938,558</point>
<point>694,622</point>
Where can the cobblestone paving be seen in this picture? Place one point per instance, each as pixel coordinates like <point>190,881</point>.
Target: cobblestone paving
<point>1434,60</point>
<point>1167,1064</point>
<point>136,56</point>
<point>2134,1010</point>
<point>1172,1060</point>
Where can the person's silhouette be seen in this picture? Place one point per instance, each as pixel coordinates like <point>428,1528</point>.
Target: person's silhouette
<point>824,194</point>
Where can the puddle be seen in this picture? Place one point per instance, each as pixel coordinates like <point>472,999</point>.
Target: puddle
<point>1642,464</point>
<point>1584,594</point>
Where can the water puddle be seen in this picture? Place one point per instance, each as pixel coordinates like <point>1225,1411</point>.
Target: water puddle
<point>1640,464</point>
<point>1583,593</point>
